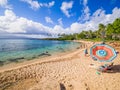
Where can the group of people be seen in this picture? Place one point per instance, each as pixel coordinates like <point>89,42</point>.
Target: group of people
<point>101,68</point>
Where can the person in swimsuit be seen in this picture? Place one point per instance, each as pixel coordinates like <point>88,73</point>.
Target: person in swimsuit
<point>86,52</point>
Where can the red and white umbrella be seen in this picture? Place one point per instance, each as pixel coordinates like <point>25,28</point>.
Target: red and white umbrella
<point>103,52</point>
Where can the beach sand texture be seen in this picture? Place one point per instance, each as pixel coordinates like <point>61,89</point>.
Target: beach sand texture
<point>67,72</point>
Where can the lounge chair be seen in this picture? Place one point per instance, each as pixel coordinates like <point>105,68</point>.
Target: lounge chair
<point>105,67</point>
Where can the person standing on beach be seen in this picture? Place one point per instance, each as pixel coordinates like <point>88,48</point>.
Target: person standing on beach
<point>85,52</point>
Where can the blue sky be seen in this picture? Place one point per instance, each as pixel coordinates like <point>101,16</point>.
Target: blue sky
<point>40,18</point>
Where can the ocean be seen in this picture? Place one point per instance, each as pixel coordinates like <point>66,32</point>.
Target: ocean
<point>16,50</point>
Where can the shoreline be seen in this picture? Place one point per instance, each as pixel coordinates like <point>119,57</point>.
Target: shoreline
<point>23,63</point>
<point>70,70</point>
<point>34,61</point>
<point>42,58</point>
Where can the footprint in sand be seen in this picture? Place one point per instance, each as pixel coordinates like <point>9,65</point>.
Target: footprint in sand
<point>86,86</point>
<point>62,87</point>
<point>70,87</point>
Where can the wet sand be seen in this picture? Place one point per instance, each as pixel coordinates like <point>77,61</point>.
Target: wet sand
<point>70,71</point>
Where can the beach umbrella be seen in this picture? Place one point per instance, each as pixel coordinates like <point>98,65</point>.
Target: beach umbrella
<point>103,52</point>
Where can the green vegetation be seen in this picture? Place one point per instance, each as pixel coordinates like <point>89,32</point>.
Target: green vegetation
<point>108,32</point>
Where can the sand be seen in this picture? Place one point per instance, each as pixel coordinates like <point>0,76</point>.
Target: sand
<point>69,71</point>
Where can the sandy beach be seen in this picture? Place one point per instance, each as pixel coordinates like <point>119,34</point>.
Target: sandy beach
<point>70,71</point>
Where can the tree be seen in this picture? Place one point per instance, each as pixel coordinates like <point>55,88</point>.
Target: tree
<point>113,30</point>
<point>116,25</point>
<point>101,31</point>
<point>82,35</point>
<point>110,31</point>
<point>101,28</point>
<point>90,34</point>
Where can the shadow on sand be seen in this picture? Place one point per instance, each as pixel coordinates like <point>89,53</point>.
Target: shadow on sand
<point>115,69</point>
<point>62,87</point>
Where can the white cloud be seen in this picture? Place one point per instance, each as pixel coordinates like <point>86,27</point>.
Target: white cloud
<point>34,4</point>
<point>65,8</point>
<point>10,23</point>
<point>50,4</point>
<point>100,17</point>
<point>4,4</point>
<point>48,20</point>
<point>85,2</point>
<point>60,22</point>
<point>85,12</point>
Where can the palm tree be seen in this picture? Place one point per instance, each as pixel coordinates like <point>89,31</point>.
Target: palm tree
<point>90,33</point>
<point>102,30</point>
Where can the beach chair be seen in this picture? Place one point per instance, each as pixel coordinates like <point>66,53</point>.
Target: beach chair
<point>105,67</point>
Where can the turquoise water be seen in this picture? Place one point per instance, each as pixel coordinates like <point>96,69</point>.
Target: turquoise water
<point>15,50</point>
